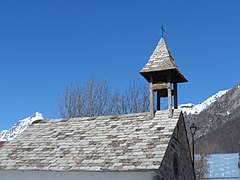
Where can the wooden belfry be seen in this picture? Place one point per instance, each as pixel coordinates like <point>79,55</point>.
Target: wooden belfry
<point>163,75</point>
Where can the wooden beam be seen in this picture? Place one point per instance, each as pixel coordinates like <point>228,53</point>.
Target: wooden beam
<point>161,86</point>
<point>151,102</point>
<point>169,96</point>
<point>158,100</point>
<point>175,96</point>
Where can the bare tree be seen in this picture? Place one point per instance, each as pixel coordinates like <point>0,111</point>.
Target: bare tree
<point>201,164</point>
<point>119,104</point>
<point>137,96</point>
<point>90,99</point>
<point>133,100</point>
<point>95,99</point>
<point>67,105</point>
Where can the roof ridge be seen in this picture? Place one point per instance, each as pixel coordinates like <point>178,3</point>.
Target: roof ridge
<point>113,116</point>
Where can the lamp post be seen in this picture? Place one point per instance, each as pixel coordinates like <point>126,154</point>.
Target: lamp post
<point>193,129</point>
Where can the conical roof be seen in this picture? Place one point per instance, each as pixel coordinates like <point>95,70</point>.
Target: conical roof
<point>161,64</point>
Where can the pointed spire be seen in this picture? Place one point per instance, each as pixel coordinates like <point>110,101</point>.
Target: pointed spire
<point>161,61</point>
<point>162,72</point>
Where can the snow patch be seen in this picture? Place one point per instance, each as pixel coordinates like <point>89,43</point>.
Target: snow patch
<point>8,135</point>
<point>196,109</point>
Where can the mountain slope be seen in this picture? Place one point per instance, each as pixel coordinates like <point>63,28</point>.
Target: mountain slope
<point>196,109</point>
<point>221,116</point>
<point>19,127</point>
<point>224,139</point>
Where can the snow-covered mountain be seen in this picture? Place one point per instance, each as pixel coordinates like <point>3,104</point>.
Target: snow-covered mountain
<point>196,109</point>
<point>218,121</point>
<point>19,127</point>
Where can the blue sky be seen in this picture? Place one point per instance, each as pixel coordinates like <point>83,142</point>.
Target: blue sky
<point>45,45</point>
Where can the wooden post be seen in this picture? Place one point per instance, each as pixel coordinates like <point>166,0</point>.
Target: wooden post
<point>158,100</point>
<point>169,96</point>
<point>175,96</point>
<point>151,102</point>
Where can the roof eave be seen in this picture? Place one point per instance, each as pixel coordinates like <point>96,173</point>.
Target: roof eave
<point>176,75</point>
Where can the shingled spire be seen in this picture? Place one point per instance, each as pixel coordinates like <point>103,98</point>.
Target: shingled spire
<point>161,72</point>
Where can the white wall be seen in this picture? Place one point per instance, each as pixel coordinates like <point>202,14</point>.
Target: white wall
<point>49,175</point>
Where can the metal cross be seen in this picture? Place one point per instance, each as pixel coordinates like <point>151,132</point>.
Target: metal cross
<point>162,30</point>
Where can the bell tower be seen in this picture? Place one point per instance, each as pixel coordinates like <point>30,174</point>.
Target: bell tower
<point>163,76</point>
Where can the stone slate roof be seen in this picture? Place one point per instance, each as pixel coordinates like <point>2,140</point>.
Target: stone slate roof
<point>161,60</point>
<point>105,143</point>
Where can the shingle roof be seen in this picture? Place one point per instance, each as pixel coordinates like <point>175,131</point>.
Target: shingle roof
<point>107,143</point>
<point>162,60</point>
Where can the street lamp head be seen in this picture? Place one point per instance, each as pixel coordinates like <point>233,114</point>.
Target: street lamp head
<point>193,129</point>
